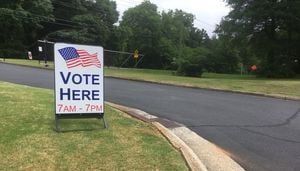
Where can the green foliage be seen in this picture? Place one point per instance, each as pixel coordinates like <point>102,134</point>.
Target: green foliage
<point>75,21</point>
<point>270,29</point>
<point>161,37</point>
<point>222,57</point>
<point>191,63</point>
<point>11,43</point>
<point>143,24</point>
<point>91,21</point>
<point>21,22</point>
<point>261,32</point>
<point>178,32</point>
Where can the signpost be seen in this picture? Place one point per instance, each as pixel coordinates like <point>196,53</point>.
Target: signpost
<point>79,91</point>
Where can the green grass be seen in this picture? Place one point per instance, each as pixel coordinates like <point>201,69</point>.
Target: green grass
<point>232,82</point>
<point>247,83</point>
<point>28,140</point>
<point>26,62</point>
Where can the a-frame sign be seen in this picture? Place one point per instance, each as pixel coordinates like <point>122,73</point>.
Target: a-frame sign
<point>79,82</point>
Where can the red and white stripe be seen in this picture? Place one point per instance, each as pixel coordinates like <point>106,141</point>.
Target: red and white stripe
<point>84,60</point>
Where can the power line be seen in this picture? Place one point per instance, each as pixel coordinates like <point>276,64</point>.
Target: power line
<point>203,22</point>
<point>61,4</point>
<point>43,20</point>
<point>48,20</point>
<point>164,9</point>
<point>101,11</point>
<point>138,2</point>
<point>69,21</point>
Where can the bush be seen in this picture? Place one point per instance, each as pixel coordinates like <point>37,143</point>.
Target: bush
<point>12,53</point>
<point>280,71</point>
<point>277,66</point>
<point>189,69</point>
<point>191,62</point>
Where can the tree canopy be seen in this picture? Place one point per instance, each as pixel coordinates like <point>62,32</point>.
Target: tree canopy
<point>269,29</point>
<point>255,32</point>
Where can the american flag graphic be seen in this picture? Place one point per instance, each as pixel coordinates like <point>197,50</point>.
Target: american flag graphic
<point>74,58</point>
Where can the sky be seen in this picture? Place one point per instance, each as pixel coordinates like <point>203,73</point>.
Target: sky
<point>208,13</point>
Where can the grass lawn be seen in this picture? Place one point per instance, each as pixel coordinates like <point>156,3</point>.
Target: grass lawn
<point>233,82</point>
<point>246,83</point>
<point>28,140</point>
<point>26,62</point>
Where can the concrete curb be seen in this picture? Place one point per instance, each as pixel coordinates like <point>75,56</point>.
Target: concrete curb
<point>191,158</point>
<point>200,154</point>
<point>211,89</point>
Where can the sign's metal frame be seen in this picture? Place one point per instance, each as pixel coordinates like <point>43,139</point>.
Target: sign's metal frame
<point>77,115</point>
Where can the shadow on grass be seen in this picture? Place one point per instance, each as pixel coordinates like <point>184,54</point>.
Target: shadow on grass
<point>78,125</point>
<point>78,130</point>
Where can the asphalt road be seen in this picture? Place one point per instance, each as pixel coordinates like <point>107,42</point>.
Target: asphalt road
<point>260,133</point>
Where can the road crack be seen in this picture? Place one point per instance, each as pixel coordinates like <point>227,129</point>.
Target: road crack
<point>246,128</point>
<point>284,123</point>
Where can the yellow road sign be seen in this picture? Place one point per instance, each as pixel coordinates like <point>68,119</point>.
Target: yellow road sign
<point>136,54</point>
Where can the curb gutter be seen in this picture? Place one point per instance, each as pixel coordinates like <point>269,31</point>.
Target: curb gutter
<point>200,154</point>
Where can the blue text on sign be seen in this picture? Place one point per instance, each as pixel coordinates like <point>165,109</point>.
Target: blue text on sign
<point>80,79</point>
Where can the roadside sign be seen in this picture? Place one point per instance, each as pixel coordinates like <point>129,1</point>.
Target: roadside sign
<point>29,55</point>
<point>136,54</point>
<point>78,79</point>
<point>40,49</point>
<point>253,68</point>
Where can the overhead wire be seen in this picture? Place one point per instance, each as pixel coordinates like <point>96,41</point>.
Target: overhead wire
<point>164,9</point>
<point>43,19</point>
<point>129,6</point>
<point>61,4</point>
<point>48,19</point>
<point>70,23</point>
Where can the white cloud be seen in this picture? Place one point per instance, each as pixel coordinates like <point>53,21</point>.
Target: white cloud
<point>208,12</point>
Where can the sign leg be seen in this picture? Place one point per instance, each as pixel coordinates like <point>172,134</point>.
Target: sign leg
<point>56,124</point>
<point>104,122</point>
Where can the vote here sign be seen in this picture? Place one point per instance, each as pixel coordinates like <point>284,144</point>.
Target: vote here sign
<point>78,79</point>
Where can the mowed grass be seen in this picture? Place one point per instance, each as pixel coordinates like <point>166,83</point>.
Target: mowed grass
<point>246,83</point>
<point>233,82</point>
<point>27,62</point>
<point>28,140</point>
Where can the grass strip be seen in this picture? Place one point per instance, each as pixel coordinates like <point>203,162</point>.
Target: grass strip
<point>29,142</point>
<point>289,88</point>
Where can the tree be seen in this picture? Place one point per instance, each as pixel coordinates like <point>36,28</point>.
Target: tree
<point>91,22</point>
<point>270,28</point>
<point>21,22</point>
<point>143,24</point>
<point>179,33</point>
<point>192,62</point>
<point>223,58</point>
<point>197,38</point>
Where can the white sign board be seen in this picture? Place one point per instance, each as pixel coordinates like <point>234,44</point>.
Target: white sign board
<point>29,55</point>
<point>78,79</point>
<point>40,49</point>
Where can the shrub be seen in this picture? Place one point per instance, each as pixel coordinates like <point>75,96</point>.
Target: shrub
<point>191,62</point>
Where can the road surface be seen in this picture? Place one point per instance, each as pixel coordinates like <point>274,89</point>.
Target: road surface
<point>260,133</point>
